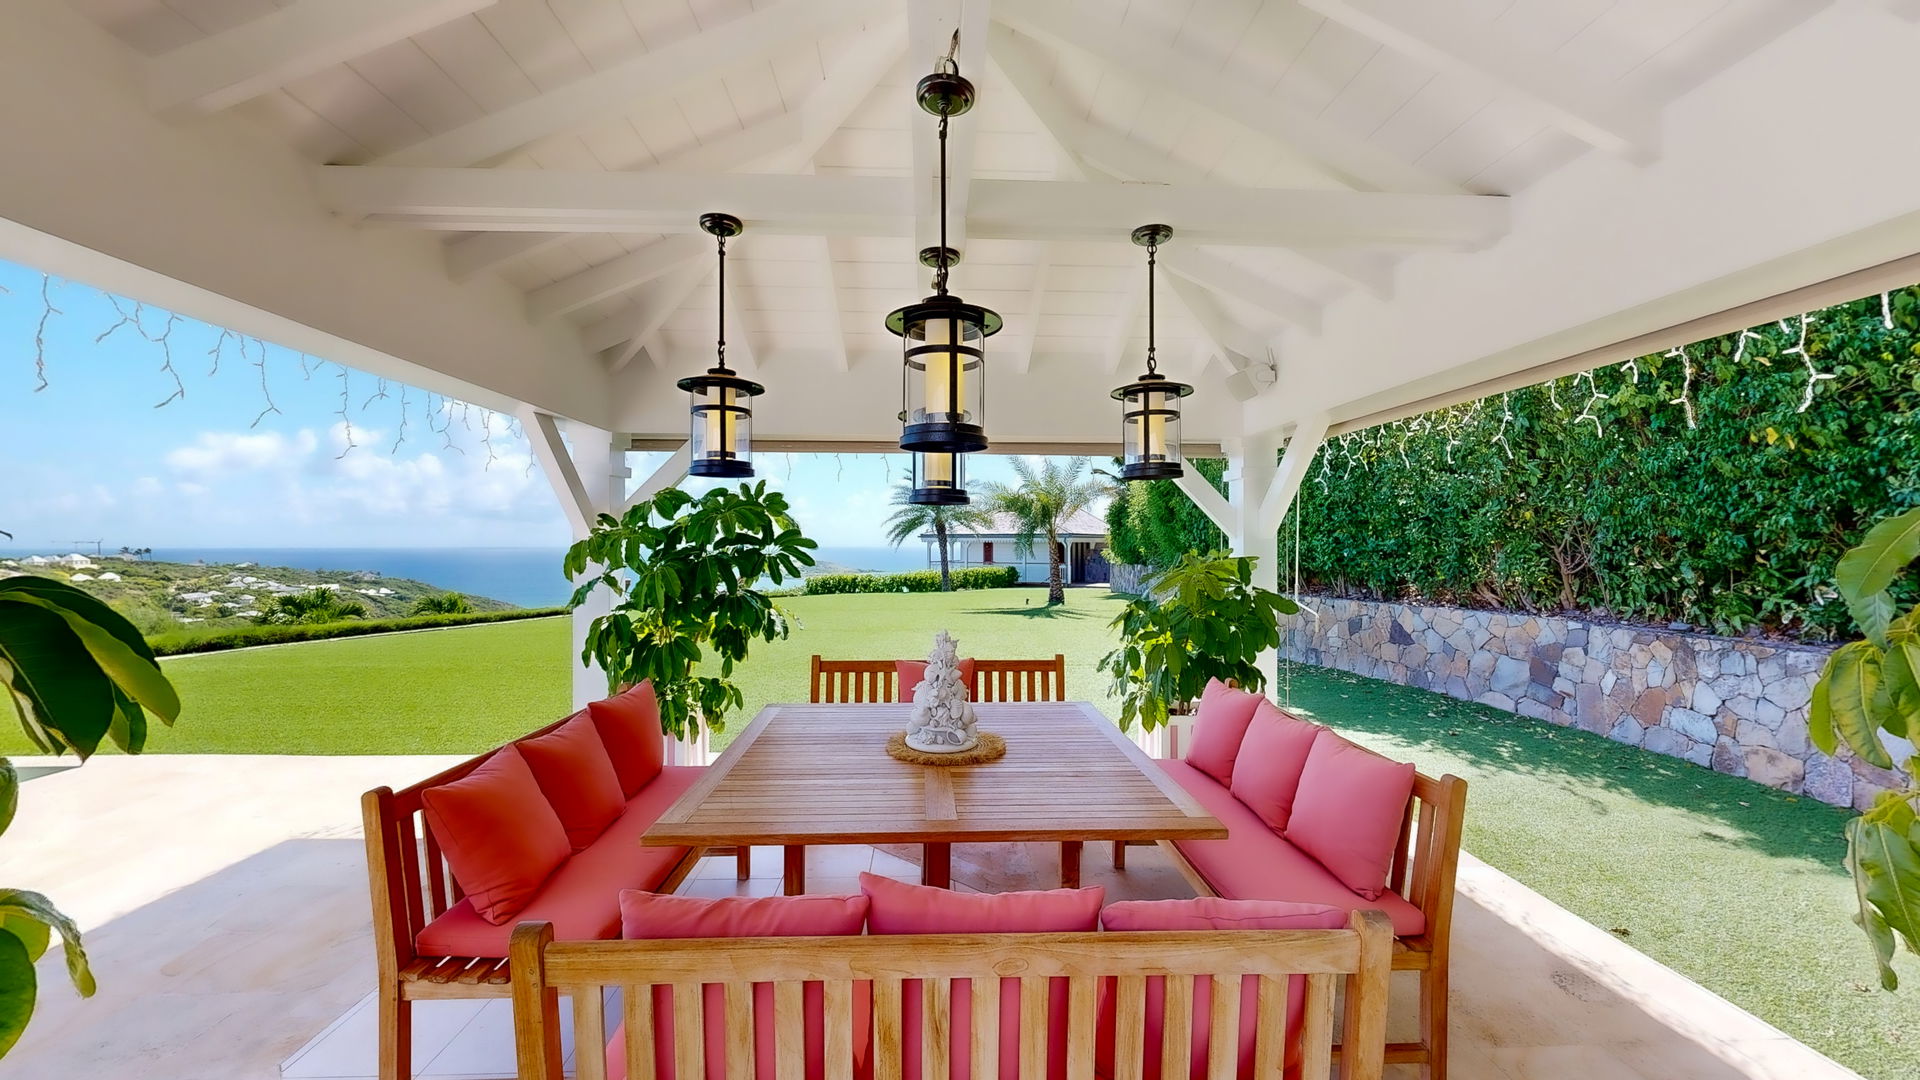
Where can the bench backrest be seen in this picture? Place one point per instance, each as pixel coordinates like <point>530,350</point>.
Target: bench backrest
<point>842,681</point>
<point>1359,955</point>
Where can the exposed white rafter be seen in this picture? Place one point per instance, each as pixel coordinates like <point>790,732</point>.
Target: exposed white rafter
<point>1153,62</point>
<point>931,25</point>
<point>1207,498</point>
<point>619,89</point>
<point>475,254</point>
<point>1021,355</point>
<point>1114,356</point>
<point>1432,32</point>
<point>550,450</point>
<point>1236,345</point>
<point>626,333</point>
<point>1308,433</point>
<point>836,319</point>
<point>614,276</point>
<point>550,200</point>
<point>669,474</point>
<point>304,37</point>
<point>1227,279</point>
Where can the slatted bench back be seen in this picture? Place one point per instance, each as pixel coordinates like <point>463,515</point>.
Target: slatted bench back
<point>1358,956</point>
<point>850,681</point>
<point>857,681</point>
<point>1427,860</point>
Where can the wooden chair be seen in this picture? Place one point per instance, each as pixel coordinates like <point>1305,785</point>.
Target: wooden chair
<point>1020,680</point>
<point>844,681</point>
<point>1426,863</point>
<point>1357,956</point>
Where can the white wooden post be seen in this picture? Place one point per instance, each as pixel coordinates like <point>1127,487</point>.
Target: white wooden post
<point>1261,484</point>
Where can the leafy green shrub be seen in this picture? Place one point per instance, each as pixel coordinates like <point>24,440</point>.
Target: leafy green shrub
<point>1153,523</point>
<point>446,603</point>
<point>917,581</point>
<point>240,637</point>
<point>313,606</point>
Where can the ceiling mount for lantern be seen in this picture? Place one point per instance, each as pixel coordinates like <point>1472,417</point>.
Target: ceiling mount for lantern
<point>721,440</point>
<point>943,338</point>
<point>1150,405</point>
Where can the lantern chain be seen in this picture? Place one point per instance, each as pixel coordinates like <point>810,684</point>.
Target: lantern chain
<point>1153,253</point>
<point>721,341</point>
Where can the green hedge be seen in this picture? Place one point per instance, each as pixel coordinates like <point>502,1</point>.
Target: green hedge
<point>971,577</point>
<point>1154,523</point>
<point>239,637</point>
<point>1732,523</point>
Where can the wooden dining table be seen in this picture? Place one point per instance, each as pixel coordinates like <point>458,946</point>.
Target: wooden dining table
<point>801,775</point>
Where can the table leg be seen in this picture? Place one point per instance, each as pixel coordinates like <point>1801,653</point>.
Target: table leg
<point>1070,863</point>
<point>796,869</point>
<point>936,865</point>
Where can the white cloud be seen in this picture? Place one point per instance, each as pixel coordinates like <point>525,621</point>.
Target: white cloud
<point>220,452</point>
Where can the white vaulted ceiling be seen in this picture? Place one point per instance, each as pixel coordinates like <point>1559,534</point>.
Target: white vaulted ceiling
<point>1305,152</point>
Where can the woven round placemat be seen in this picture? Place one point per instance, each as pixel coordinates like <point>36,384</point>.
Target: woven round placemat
<point>991,748</point>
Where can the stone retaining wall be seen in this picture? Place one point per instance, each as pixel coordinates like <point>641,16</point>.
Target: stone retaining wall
<point>1732,705</point>
<point>1126,577</point>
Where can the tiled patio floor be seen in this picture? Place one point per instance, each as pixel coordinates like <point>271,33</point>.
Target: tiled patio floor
<point>225,905</point>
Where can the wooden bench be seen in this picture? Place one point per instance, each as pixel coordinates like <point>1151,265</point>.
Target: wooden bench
<point>1425,866</point>
<point>858,681</point>
<point>411,886</point>
<point>1357,956</point>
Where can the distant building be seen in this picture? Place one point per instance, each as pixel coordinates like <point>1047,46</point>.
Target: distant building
<point>108,576</point>
<point>1083,543</point>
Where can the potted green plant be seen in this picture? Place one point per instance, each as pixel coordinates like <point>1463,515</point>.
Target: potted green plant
<point>1199,619</point>
<point>75,673</point>
<point>684,573</point>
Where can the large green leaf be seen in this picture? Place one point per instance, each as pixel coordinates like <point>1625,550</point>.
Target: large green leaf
<point>1868,569</point>
<point>139,676</point>
<point>1855,698</point>
<point>48,668</point>
<point>9,793</point>
<point>1874,614</point>
<point>18,987</point>
<point>1883,853</point>
<point>1820,712</point>
<point>86,605</point>
<point>18,903</point>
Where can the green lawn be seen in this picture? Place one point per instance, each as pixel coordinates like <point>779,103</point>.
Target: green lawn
<point>1735,885</point>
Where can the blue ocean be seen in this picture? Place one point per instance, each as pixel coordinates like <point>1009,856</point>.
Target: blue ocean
<point>529,577</point>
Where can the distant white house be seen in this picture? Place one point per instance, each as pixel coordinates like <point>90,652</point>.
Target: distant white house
<point>108,576</point>
<point>1083,543</point>
<point>81,577</point>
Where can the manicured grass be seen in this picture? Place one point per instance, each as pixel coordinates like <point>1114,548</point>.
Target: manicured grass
<point>1735,885</point>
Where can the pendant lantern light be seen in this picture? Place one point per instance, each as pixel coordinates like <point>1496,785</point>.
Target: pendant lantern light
<point>721,443</point>
<point>943,338</point>
<point>939,479</point>
<point>1150,406</point>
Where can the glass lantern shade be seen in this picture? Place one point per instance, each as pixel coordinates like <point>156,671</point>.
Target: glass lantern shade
<point>1150,428</point>
<point>939,480</point>
<point>721,441</point>
<point>943,380</point>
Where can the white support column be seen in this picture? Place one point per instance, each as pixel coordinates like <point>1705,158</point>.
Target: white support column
<point>1260,485</point>
<point>598,461</point>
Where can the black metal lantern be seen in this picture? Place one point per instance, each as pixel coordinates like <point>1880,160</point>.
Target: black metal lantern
<point>721,443</point>
<point>1150,406</point>
<point>939,479</point>
<point>943,372</point>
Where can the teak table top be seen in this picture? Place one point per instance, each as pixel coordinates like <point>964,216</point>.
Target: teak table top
<point>820,774</point>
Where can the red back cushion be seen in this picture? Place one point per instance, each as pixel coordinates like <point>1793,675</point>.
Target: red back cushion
<point>899,908</point>
<point>645,915</point>
<point>571,765</point>
<point>629,725</point>
<point>1209,913</point>
<point>1266,774</point>
<point>1347,811</point>
<point>908,673</point>
<point>1218,726</point>
<point>499,833</point>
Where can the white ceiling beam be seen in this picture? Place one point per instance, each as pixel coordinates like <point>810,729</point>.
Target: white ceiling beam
<point>550,450</point>
<point>1434,34</point>
<point>621,88</point>
<point>1215,273</point>
<point>1237,347</point>
<point>308,36</point>
<point>623,334</point>
<point>1150,61</point>
<point>470,256</point>
<point>613,277</point>
<point>1115,352</point>
<point>931,25</point>
<point>836,318</point>
<point>558,201</point>
<point>1906,9</point>
<point>1021,357</point>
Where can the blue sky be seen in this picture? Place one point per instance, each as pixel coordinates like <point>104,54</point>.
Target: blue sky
<point>90,455</point>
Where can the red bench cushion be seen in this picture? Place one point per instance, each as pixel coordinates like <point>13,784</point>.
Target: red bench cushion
<point>1209,913</point>
<point>582,900</point>
<point>899,908</point>
<point>1274,753</point>
<point>500,835</point>
<point>1218,726</point>
<point>1254,863</point>
<point>573,770</point>
<point>629,726</point>
<point>1348,811</point>
<point>908,673</point>
<point>650,916</point>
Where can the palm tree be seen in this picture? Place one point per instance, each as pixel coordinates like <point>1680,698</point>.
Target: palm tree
<point>1041,504</point>
<point>911,520</point>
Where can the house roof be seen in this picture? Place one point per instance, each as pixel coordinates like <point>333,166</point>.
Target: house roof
<point>1082,523</point>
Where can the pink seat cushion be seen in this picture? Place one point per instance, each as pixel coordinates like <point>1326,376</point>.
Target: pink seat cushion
<point>899,908</point>
<point>650,916</point>
<point>1348,811</point>
<point>908,673</point>
<point>1267,772</point>
<point>1218,726</point>
<point>573,770</point>
<point>500,835</point>
<point>629,726</point>
<point>1254,863</point>
<point>582,898</point>
<point>1209,913</point>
